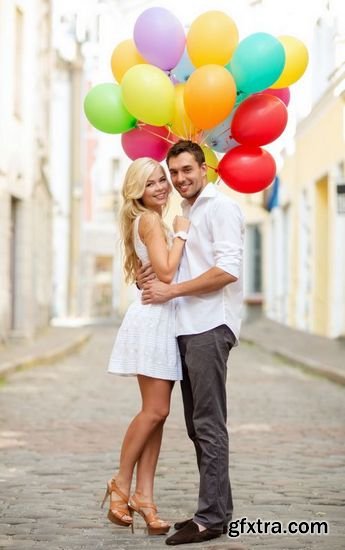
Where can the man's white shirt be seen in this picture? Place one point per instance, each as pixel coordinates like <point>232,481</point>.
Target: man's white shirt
<point>215,239</point>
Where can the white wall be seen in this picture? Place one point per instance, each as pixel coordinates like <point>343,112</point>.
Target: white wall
<point>60,154</point>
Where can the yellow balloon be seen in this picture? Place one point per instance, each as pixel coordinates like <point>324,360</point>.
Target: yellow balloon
<point>148,92</point>
<point>181,124</point>
<point>124,56</point>
<point>296,61</point>
<point>212,163</point>
<point>212,38</point>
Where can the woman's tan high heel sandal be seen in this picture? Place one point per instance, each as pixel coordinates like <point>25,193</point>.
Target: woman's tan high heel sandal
<point>118,508</point>
<point>155,525</point>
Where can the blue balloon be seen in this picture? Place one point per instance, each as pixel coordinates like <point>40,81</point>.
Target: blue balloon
<point>257,62</point>
<point>183,69</point>
<point>220,139</point>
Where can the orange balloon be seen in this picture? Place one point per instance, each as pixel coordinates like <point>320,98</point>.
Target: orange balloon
<point>209,96</point>
<point>124,56</point>
<point>212,38</point>
<point>181,125</point>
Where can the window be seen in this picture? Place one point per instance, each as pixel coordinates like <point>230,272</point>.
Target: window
<point>254,259</point>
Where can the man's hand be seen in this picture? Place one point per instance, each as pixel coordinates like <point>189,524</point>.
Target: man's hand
<point>145,274</point>
<point>156,292</point>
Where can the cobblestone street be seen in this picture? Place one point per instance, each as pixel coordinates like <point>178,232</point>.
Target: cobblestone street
<point>61,427</point>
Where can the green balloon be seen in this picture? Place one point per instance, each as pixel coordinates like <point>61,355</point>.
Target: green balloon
<point>257,62</point>
<point>104,109</point>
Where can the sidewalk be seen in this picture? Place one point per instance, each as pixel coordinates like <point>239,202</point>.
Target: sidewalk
<point>49,346</point>
<point>322,356</point>
<point>319,355</point>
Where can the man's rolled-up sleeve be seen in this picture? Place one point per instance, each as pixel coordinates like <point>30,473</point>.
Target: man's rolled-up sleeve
<point>227,227</point>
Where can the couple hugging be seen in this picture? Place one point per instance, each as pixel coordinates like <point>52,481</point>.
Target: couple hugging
<point>181,327</point>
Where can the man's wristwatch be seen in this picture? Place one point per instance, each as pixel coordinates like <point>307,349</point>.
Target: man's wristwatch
<point>181,234</point>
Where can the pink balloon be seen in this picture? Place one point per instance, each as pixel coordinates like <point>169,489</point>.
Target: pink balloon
<point>147,141</point>
<point>159,37</point>
<point>282,93</point>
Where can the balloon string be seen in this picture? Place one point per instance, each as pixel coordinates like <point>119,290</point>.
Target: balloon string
<point>142,127</point>
<point>218,180</point>
<point>223,132</point>
<point>185,129</point>
<point>204,137</point>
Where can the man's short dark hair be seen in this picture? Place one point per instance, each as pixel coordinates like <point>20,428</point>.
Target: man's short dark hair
<point>187,146</point>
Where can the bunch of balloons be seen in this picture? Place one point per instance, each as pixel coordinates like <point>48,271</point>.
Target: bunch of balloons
<point>229,96</point>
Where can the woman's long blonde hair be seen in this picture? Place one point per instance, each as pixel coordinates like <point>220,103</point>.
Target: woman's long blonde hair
<point>132,191</point>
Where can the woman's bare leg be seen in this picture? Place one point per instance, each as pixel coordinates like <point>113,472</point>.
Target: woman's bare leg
<point>155,395</point>
<point>146,466</point>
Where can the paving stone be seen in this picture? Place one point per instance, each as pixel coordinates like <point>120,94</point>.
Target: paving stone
<point>287,454</point>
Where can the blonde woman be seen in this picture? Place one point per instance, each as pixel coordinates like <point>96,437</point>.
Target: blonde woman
<point>146,345</point>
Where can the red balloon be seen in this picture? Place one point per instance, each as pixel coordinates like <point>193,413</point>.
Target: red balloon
<point>280,93</point>
<point>259,119</point>
<point>147,141</point>
<point>247,169</point>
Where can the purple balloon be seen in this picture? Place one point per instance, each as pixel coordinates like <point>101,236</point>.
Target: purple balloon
<point>159,37</point>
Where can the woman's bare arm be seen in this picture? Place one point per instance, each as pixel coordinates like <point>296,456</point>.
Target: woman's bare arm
<point>164,261</point>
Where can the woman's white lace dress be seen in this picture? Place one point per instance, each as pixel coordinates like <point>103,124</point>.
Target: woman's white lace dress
<point>145,342</point>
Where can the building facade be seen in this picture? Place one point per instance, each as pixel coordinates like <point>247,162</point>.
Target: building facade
<point>304,254</point>
<point>25,196</point>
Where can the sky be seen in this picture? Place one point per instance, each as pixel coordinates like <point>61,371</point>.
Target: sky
<point>274,16</point>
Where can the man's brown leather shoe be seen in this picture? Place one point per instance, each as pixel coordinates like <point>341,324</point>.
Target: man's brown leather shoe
<point>190,533</point>
<point>180,524</point>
